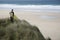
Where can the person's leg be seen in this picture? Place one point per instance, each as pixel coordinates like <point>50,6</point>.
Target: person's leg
<point>11,18</point>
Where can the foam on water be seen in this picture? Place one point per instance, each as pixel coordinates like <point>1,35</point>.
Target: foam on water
<point>31,7</point>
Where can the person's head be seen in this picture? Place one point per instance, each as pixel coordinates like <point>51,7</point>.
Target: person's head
<point>11,10</point>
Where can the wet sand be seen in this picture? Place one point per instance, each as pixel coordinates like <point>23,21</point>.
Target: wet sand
<point>47,22</point>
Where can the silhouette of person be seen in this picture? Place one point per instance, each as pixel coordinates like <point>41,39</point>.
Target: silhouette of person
<point>11,16</point>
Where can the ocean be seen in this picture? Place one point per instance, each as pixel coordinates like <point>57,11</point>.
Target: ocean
<point>31,4</point>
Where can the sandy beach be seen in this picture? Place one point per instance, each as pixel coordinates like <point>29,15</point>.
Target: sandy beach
<point>47,22</point>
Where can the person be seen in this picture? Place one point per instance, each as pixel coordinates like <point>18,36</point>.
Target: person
<point>11,16</point>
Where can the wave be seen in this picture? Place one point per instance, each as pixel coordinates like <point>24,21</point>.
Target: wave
<point>33,7</point>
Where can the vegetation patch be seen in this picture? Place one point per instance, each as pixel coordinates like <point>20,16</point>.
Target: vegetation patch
<point>18,30</point>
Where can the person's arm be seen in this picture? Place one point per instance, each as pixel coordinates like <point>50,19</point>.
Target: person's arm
<point>13,13</point>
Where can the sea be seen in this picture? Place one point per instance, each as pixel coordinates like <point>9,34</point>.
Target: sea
<point>31,4</point>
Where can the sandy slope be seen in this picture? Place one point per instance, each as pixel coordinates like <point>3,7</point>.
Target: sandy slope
<point>47,22</point>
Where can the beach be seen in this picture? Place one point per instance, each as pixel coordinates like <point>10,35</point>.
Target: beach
<point>48,22</point>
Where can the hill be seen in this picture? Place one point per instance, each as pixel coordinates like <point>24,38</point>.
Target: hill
<point>19,30</point>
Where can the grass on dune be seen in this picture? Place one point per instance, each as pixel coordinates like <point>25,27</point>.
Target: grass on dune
<point>18,30</point>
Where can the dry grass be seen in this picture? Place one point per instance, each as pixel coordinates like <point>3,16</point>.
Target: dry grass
<point>18,30</point>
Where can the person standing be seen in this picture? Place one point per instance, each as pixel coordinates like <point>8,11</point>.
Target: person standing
<point>11,16</point>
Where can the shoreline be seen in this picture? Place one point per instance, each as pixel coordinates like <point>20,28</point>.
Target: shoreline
<point>48,8</point>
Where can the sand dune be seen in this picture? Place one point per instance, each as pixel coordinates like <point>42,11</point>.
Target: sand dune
<point>47,22</point>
